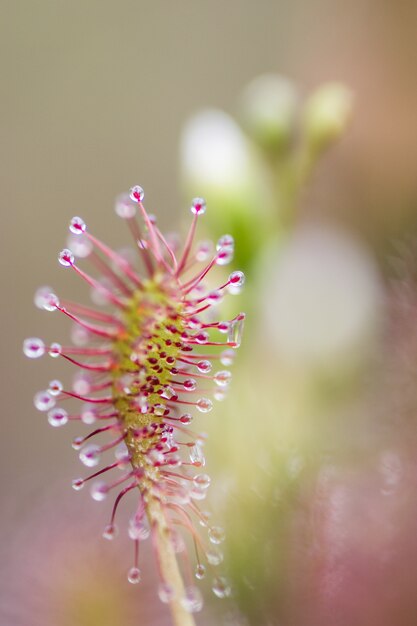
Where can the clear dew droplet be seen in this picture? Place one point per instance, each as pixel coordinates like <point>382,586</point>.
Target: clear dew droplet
<point>90,455</point>
<point>110,532</point>
<point>136,193</point>
<point>138,529</point>
<point>221,587</point>
<point>222,378</point>
<point>197,493</point>
<point>214,297</point>
<point>236,330</point>
<point>200,571</point>
<point>134,575</point>
<point>198,206</point>
<point>216,534</point>
<point>220,394</point>
<point>237,279</point>
<point>66,257</point>
<point>77,226</point>
<point>204,251</point>
<point>99,491</point>
<point>81,246</point>
<point>81,383</point>
<point>41,296</point>
<point>78,484</point>
<point>166,593</point>
<point>227,357</point>
<point>43,401</point>
<point>55,350</point>
<point>88,415</point>
<point>187,418</point>
<point>77,442</point>
<point>197,456</point>
<point>224,256</point>
<point>125,207</point>
<point>204,405</point>
<point>214,556</point>
<point>225,241</point>
<point>33,348</point>
<point>55,387</point>
<point>192,600</point>
<point>204,366</point>
<point>202,480</point>
<point>57,417</point>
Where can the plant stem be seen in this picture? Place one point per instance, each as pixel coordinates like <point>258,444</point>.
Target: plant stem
<point>168,564</point>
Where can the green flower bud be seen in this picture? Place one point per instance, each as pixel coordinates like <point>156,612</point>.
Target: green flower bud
<point>326,114</point>
<point>269,105</point>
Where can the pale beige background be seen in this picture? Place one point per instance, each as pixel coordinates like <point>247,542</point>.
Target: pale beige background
<point>93,97</point>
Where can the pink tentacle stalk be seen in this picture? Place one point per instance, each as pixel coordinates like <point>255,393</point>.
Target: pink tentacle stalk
<point>148,357</point>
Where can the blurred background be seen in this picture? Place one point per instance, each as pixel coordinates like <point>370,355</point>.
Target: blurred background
<point>297,121</point>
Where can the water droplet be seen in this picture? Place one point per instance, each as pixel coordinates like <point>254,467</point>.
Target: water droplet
<point>221,587</point>
<point>204,405</point>
<point>81,246</point>
<point>204,251</point>
<point>205,518</point>
<point>55,350</point>
<point>55,387</point>
<point>237,279</point>
<point>121,454</point>
<point>134,575</point>
<point>99,490</point>
<point>77,226</point>
<point>138,529</point>
<point>57,417</point>
<point>88,415</point>
<point>202,337</point>
<point>90,455</point>
<point>226,241</point>
<point>197,493</point>
<point>214,556</point>
<point>78,484</point>
<point>202,480</point>
<point>110,532</point>
<point>198,206</point>
<point>66,257</point>
<point>192,600</point>
<point>214,297</point>
<point>43,401</point>
<point>159,409</point>
<point>79,336</point>
<point>224,256</point>
<point>81,383</point>
<point>236,330</point>
<point>197,456</point>
<point>51,302</point>
<point>227,357</point>
<point>222,378</point>
<point>137,194</point>
<point>219,394</point>
<point>125,206</point>
<point>204,366</point>
<point>200,571</point>
<point>41,296</point>
<point>216,534</point>
<point>187,418</point>
<point>223,327</point>
<point>166,593</point>
<point>190,384</point>
<point>33,348</point>
<point>77,442</point>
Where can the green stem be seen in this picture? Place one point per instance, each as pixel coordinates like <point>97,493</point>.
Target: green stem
<point>168,565</point>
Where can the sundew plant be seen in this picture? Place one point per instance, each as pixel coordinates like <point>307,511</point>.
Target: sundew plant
<point>147,361</point>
